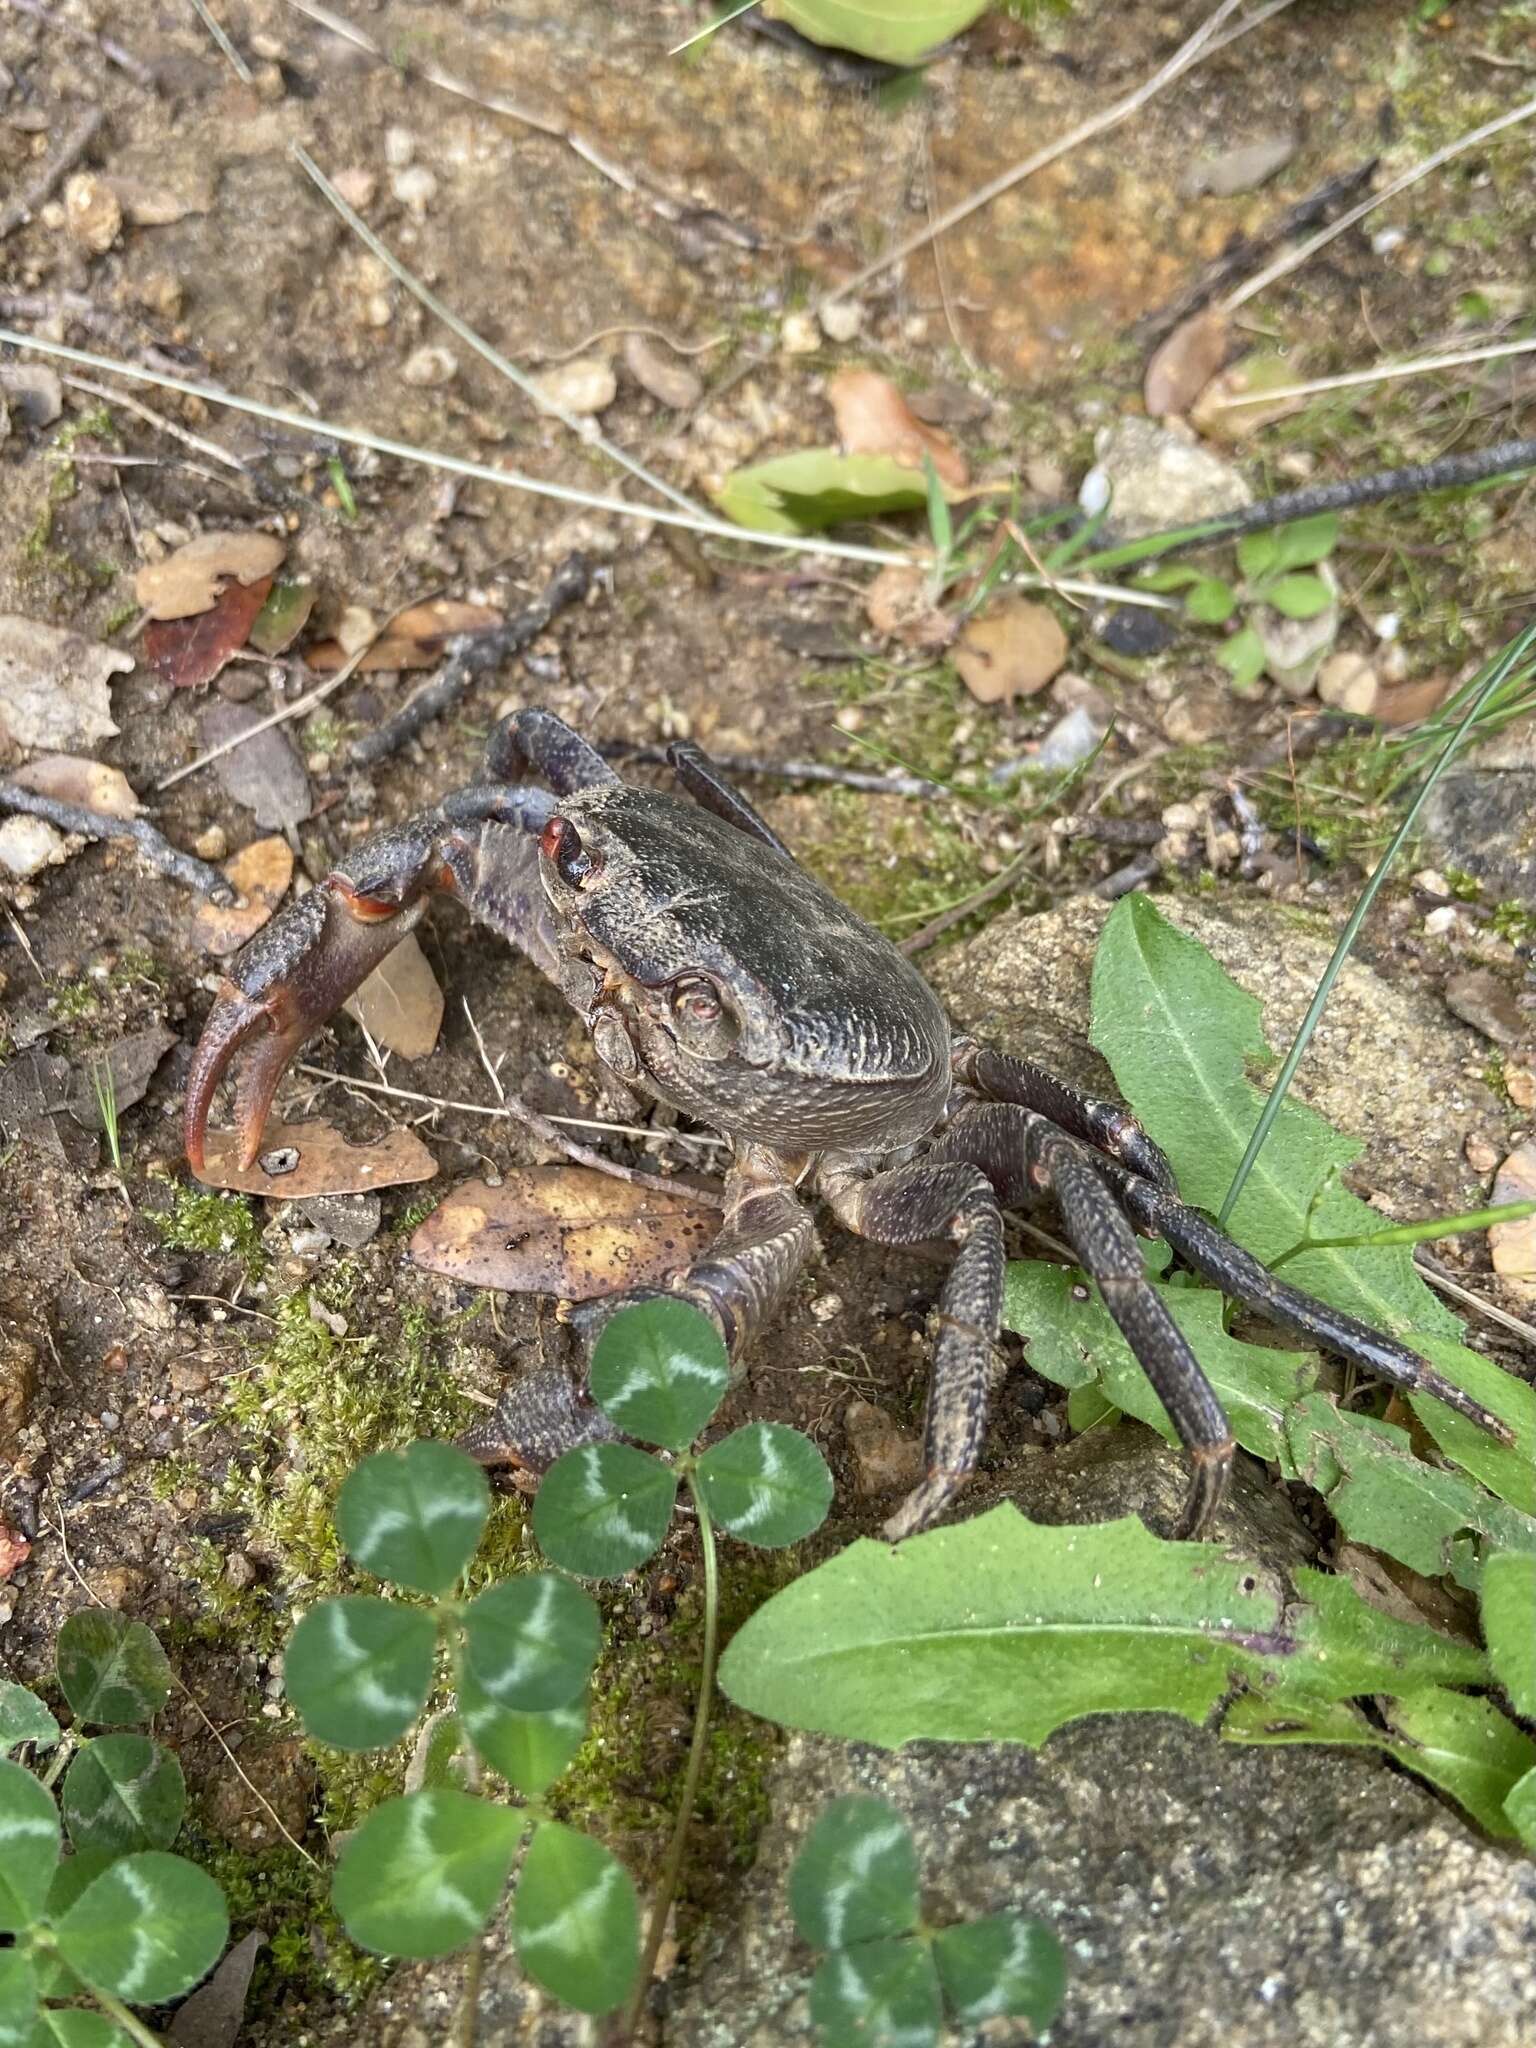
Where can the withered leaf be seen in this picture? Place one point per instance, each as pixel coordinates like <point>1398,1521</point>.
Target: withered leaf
<point>414,638</point>
<point>400,1004</point>
<point>73,779</point>
<point>1513,1245</point>
<point>315,1159</point>
<point>260,874</point>
<point>189,580</point>
<point>900,603</point>
<point>54,684</point>
<point>266,773</point>
<point>664,375</point>
<point>562,1230</point>
<point>189,652</point>
<point>874,419</point>
<point>14,1550</point>
<point>1185,362</point>
<point>1012,650</point>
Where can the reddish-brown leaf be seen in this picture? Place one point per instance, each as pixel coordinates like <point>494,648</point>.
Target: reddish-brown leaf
<point>189,652</point>
<point>315,1159</point>
<point>14,1550</point>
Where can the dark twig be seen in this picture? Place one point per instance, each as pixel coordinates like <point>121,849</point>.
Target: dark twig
<point>559,1140</point>
<point>166,859</point>
<point>471,655</point>
<point>1144,868</point>
<point>70,151</point>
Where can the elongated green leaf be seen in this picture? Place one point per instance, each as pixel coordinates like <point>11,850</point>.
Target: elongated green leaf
<point>660,1370</point>
<point>29,1847</point>
<point>1520,1806</point>
<point>1509,1626</point>
<point>532,1642</point>
<point>1002,1630</point>
<point>414,1516</point>
<point>1509,1470</point>
<point>529,1750</point>
<point>124,1792</point>
<point>767,1484</point>
<point>1003,1964</point>
<point>894,31</point>
<point>819,487</point>
<point>24,1718</point>
<point>359,1669</point>
<point>423,1874</point>
<point>146,1929</point>
<point>18,1998</point>
<point>856,1877</point>
<point>111,1670</point>
<point>603,1508</point>
<point>576,1919</point>
<point>1072,1338</point>
<point>883,1993</point>
<point>1466,1747</point>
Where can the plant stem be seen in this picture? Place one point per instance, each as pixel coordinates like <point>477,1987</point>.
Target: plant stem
<point>69,1742</point>
<point>671,1870</point>
<point>130,2025</point>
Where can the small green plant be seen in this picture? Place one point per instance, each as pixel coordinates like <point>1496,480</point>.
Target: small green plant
<point>886,1974</point>
<point>1277,569</point>
<point>117,1921</point>
<point>105,1089</point>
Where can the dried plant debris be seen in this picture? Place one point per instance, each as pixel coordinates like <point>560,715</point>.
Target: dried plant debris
<point>190,579</point>
<point>260,874</point>
<point>190,652</point>
<point>121,1075</point>
<point>1012,650</point>
<point>72,779</point>
<point>401,1004</point>
<point>1513,1245</point>
<point>1184,364</point>
<point>265,773</point>
<point>55,685</point>
<point>874,419</point>
<point>298,1160</point>
<point>415,638</point>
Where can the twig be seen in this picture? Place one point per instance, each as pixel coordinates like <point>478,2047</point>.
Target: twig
<point>158,421</point>
<point>1384,373</point>
<point>70,151</point>
<point>185,868</point>
<point>549,1133</point>
<point>1189,53</point>
<point>1145,867</point>
<point>215,28</point>
<point>787,771</point>
<point>536,354</point>
<point>491,1109</point>
<point>957,912</point>
<point>1437,1277</point>
<point>713,27</point>
<point>1294,258</point>
<point>471,655</point>
<point>112,50</point>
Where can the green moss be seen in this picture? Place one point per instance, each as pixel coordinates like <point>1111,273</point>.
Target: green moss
<point>76,1002</point>
<point>307,1953</point>
<point>1514,922</point>
<point>207,1220</point>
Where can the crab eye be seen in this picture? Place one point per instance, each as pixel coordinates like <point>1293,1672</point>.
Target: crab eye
<point>701,1019</point>
<point>697,1001</point>
<point>560,843</point>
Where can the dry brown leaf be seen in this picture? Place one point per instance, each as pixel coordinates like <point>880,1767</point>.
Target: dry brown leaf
<point>563,1230</point>
<point>315,1159</point>
<point>266,773</point>
<point>1186,362</point>
<point>1408,703</point>
<point>72,779</point>
<point>874,419</point>
<point>260,874</point>
<point>664,375</point>
<point>54,684</point>
<point>415,639</point>
<point>189,652</point>
<point>188,581</point>
<point>1513,1245</point>
<point>1215,417</point>
<point>1012,650</point>
<point>130,1064</point>
<point>900,604</point>
<point>400,1004</point>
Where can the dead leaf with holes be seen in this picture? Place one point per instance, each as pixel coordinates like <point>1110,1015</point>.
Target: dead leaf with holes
<point>414,638</point>
<point>189,652</point>
<point>260,874</point>
<point>190,579</point>
<point>563,1230</point>
<point>1513,1245</point>
<point>72,779</point>
<point>314,1158</point>
<point>401,1004</point>
<point>1012,650</point>
<point>55,685</point>
<point>1184,364</point>
<point>874,419</point>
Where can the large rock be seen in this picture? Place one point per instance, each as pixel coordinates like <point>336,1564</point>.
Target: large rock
<point>1481,817</point>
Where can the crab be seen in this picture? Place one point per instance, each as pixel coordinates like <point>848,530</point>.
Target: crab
<point>715,974</point>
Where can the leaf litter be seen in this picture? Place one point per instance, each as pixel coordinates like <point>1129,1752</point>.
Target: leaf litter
<point>55,686</point>
<point>315,1158</point>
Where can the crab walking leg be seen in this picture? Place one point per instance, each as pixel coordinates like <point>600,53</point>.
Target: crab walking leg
<point>1024,1156</point>
<point>708,786</point>
<point>920,1204</point>
<point>1107,1126</point>
<point>537,739</point>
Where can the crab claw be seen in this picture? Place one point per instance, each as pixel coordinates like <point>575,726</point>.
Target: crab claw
<point>284,985</point>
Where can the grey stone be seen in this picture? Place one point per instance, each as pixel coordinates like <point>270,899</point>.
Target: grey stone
<point>1479,997</point>
<point>1242,169</point>
<point>1158,479</point>
<point>1481,817</point>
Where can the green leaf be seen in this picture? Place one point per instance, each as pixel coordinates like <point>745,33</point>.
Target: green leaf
<point>603,1508</point>
<point>122,1793</point>
<point>856,1877</point>
<point>359,1669</point>
<point>1174,576</point>
<point>529,1750</point>
<point>24,1718</point>
<point>660,1370</point>
<point>1258,554</point>
<point>1296,1717</point>
<point>1001,1630</point>
<point>816,488</point>
<point>576,1919</point>
<point>1509,1470</point>
<point>767,1484</point>
<point>1466,1747</point>
<point>1087,1408</point>
<point>894,31</point>
<point>1210,602</point>
<point>1509,1626</point>
<point>423,1874</point>
<point>532,1642</point>
<point>77,2027</point>
<point>1243,658</point>
<point>76,1870</point>
<point>1298,597</point>
<point>29,1847</point>
<point>146,1929</point>
<point>414,1516</point>
<point>884,1994</point>
<point>941,528</point>
<point>1072,1339</point>
<point>1003,1964</point>
<point>18,1998</point>
<point>1520,1806</point>
<point>111,1670</point>
<point>1302,543</point>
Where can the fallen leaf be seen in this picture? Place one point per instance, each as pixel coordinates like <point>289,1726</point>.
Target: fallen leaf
<point>1410,703</point>
<point>212,2016</point>
<point>260,874</point>
<point>189,652</point>
<point>315,1159</point>
<point>818,487</point>
<point>1217,419</point>
<point>1012,650</point>
<point>1185,363</point>
<point>267,774</point>
<point>582,387</point>
<point>283,617</point>
<point>416,637</point>
<point>131,1063</point>
<point>1513,1245</point>
<point>1241,169</point>
<point>892,31</point>
<point>189,580</point>
<point>900,604</point>
<point>14,1550</point>
<point>54,685</point>
<point>72,779</point>
<point>400,1004</point>
<point>874,419</point>
<point>657,370</point>
<point>563,1230</point>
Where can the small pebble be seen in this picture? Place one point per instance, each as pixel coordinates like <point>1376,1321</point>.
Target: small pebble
<point>583,386</point>
<point>399,147</point>
<point>800,335</point>
<point>429,365</point>
<point>885,1459</point>
<point>415,187</point>
<point>212,844</point>
<point>28,845</point>
<point>1480,997</point>
<point>826,1306</point>
<point>1442,920</point>
<point>1481,1156</point>
<point>1349,683</point>
<point>92,214</point>
<point>842,319</point>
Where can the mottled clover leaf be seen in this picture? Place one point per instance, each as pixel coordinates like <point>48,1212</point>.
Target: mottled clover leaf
<point>359,1669</point>
<point>603,1508</point>
<point>576,1920</point>
<point>532,1642</point>
<point>423,1874</point>
<point>767,1484</point>
<point>660,1370</point>
<point>112,1670</point>
<point>414,1516</point>
<point>124,1793</point>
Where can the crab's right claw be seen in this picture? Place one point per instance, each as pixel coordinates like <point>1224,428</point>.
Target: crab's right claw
<point>283,986</point>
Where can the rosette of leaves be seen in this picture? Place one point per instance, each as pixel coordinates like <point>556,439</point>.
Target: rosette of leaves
<point>1281,569</point>
<point>424,1872</point>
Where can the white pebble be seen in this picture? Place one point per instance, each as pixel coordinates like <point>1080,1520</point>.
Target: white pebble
<point>415,187</point>
<point>29,844</point>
